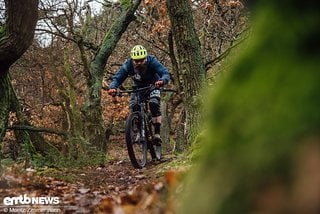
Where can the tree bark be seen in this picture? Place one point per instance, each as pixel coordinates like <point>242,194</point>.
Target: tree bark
<point>19,31</point>
<point>25,132</point>
<point>94,128</point>
<point>165,127</point>
<point>18,36</point>
<point>4,104</point>
<point>192,70</point>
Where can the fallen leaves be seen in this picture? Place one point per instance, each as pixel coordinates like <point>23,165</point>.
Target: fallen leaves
<point>114,188</point>
<point>141,199</point>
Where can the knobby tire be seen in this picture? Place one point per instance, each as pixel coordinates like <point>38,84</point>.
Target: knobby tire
<point>138,157</point>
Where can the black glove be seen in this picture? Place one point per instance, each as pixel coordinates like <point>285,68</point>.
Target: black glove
<point>159,83</point>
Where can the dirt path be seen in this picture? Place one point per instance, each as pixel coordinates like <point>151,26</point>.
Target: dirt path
<point>113,188</point>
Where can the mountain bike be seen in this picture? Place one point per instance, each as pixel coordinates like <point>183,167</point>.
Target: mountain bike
<point>138,129</point>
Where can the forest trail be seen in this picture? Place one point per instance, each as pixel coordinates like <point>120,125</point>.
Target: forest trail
<point>114,188</point>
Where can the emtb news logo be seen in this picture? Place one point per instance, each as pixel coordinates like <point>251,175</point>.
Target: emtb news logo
<point>26,200</point>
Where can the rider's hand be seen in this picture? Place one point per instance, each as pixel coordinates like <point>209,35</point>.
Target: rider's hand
<point>112,92</point>
<point>159,83</point>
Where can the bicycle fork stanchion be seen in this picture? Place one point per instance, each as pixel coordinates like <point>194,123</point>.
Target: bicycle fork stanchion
<point>143,132</point>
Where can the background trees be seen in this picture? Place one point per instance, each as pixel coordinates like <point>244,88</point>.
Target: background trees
<point>64,20</point>
<point>263,125</point>
<point>75,48</point>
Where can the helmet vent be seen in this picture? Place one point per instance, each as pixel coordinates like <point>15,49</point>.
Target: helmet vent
<point>138,52</point>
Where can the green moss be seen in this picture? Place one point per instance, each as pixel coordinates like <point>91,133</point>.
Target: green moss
<point>61,174</point>
<point>125,4</point>
<point>261,112</point>
<point>2,32</point>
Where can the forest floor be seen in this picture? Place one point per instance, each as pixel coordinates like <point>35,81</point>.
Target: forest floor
<point>113,188</point>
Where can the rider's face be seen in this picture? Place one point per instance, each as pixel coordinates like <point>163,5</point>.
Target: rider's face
<point>139,64</point>
<point>139,61</point>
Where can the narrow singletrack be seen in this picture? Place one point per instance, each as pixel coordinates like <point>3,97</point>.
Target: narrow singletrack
<point>90,189</point>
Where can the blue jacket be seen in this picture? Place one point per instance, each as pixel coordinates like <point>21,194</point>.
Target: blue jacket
<point>155,71</point>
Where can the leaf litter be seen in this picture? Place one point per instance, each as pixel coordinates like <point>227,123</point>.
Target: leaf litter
<point>114,188</point>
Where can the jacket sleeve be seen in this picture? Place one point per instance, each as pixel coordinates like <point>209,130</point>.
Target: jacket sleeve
<point>161,70</point>
<point>120,76</point>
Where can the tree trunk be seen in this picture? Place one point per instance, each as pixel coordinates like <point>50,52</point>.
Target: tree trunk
<point>19,31</point>
<point>4,104</point>
<point>165,130</point>
<point>94,127</point>
<point>30,137</point>
<point>192,70</point>
<point>18,34</point>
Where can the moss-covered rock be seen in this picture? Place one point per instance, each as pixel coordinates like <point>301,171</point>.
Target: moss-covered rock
<point>262,151</point>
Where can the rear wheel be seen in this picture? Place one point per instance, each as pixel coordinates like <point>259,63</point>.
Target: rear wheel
<point>137,148</point>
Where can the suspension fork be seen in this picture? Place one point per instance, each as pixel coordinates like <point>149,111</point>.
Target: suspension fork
<point>142,115</point>
<point>148,120</point>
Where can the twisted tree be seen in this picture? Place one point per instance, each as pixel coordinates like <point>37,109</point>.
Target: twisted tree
<point>15,37</point>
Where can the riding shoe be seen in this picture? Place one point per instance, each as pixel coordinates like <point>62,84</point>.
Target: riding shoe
<point>157,140</point>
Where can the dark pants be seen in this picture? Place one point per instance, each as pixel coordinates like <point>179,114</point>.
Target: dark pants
<point>154,102</point>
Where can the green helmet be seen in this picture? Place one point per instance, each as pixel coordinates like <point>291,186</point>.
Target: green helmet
<point>138,52</point>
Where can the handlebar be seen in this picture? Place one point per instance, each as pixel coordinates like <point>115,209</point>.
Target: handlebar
<point>147,88</point>
<point>130,91</point>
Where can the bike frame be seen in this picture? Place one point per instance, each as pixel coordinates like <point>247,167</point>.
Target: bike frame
<point>145,126</point>
<point>142,112</point>
<point>146,133</point>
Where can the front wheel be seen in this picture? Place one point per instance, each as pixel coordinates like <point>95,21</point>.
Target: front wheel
<point>137,147</point>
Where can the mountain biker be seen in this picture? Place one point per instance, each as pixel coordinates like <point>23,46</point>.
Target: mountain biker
<point>145,70</point>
